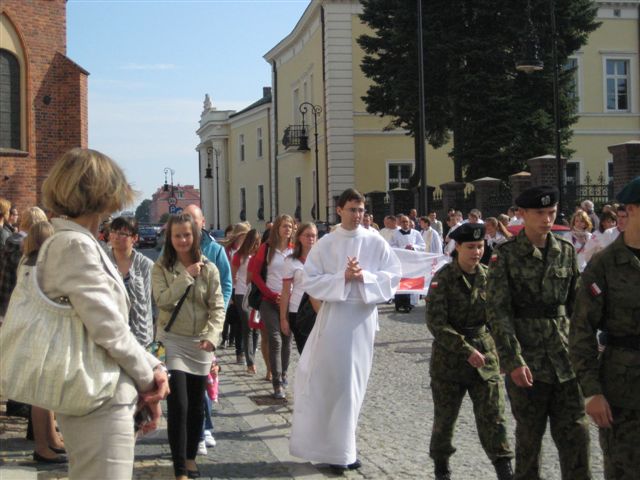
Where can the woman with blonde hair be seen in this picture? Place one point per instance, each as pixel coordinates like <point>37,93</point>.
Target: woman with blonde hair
<point>580,234</point>
<point>272,255</point>
<point>84,186</point>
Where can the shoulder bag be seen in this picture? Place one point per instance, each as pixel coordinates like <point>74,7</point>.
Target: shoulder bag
<point>254,296</point>
<point>306,316</point>
<point>46,356</point>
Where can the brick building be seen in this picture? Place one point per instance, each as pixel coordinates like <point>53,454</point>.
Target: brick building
<point>180,197</point>
<point>43,96</point>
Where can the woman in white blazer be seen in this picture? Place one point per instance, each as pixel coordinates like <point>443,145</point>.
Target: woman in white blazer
<point>83,187</point>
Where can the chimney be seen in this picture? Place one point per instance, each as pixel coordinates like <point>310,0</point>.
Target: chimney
<point>266,92</point>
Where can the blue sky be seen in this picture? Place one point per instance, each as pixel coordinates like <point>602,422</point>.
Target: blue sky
<point>151,63</point>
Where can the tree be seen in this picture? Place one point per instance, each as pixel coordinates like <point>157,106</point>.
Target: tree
<point>497,117</point>
<point>164,218</point>
<point>143,212</point>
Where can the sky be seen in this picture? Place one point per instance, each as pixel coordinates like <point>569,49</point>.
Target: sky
<point>151,63</point>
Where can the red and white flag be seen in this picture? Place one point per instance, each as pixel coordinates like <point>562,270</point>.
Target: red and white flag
<point>417,269</point>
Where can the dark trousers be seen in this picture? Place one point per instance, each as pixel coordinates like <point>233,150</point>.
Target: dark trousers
<point>300,337</point>
<point>562,405</point>
<point>232,330</point>
<point>279,344</point>
<point>249,335</point>
<point>185,414</point>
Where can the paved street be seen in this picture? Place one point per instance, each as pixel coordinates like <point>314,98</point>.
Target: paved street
<point>393,437</point>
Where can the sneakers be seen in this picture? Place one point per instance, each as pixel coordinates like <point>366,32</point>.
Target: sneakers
<point>279,394</point>
<point>202,448</point>
<point>209,441</point>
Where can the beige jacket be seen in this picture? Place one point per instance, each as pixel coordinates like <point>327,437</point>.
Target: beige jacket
<point>202,313</point>
<point>75,266</point>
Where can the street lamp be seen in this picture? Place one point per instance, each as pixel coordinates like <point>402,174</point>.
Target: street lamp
<point>315,110</point>
<point>207,174</point>
<point>532,63</point>
<point>422,153</point>
<point>171,171</point>
<point>217,152</point>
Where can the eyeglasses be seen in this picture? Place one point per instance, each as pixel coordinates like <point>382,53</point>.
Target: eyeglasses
<point>122,234</point>
<point>355,210</point>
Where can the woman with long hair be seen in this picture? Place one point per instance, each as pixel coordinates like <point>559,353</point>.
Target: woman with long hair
<point>580,234</point>
<point>292,291</point>
<point>239,265</point>
<point>186,288</point>
<point>273,254</point>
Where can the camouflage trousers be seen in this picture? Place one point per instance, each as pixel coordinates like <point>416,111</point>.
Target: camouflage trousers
<point>621,445</point>
<point>488,407</point>
<point>563,405</point>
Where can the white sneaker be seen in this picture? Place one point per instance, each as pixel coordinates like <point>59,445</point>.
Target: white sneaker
<point>208,439</point>
<point>202,448</point>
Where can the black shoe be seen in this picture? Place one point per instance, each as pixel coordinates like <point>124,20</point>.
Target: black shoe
<point>503,469</point>
<point>441,470</point>
<point>58,450</point>
<point>355,465</point>
<point>57,459</point>
<point>193,473</point>
<point>338,469</point>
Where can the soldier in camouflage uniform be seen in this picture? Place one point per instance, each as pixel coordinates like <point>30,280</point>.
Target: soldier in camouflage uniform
<point>464,357</point>
<point>609,299</point>
<point>530,289</point>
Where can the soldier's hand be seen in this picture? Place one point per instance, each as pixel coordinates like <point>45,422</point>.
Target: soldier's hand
<point>476,359</point>
<point>598,409</point>
<point>522,377</point>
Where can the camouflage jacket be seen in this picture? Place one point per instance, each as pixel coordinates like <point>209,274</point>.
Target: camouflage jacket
<point>528,305</point>
<point>456,318</point>
<point>608,299</point>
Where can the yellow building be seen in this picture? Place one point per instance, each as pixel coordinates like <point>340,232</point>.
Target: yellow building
<point>316,77</point>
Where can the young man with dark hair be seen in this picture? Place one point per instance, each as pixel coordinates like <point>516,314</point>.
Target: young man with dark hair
<point>350,270</point>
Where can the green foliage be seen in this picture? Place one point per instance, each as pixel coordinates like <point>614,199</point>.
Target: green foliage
<point>164,218</point>
<point>498,117</point>
<point>143,213</point>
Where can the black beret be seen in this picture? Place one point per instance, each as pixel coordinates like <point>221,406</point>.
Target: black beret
<point>630,193</point>
<point>468,232</point>
<point>542,196</point>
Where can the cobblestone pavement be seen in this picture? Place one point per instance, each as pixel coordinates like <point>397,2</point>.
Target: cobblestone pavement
<point>393,436</point>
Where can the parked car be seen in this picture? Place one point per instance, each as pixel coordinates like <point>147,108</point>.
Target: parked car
<point>147,237</point>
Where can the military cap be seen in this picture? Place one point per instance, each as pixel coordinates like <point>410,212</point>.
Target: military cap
<point>468,232</point>
<point>542,196</point>
<point>630,193</point>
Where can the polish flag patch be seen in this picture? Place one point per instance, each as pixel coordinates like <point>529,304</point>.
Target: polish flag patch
<point>494,257</point>
<point>434,285</point>
<point>595,290</point>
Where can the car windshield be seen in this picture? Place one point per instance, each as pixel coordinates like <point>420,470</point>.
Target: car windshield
<point>147,231</point>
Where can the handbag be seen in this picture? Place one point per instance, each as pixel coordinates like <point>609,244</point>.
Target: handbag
<point>46,356</point>
<point>156,348</point>
<point>254,296</point>
<point>306,316</point>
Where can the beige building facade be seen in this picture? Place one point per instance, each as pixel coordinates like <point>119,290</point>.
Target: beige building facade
<point>316,77</point>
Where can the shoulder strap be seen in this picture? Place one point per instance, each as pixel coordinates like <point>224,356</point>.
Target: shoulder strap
<point>176,310</point>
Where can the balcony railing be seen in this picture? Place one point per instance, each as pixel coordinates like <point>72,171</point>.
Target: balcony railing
<point>296,136</point>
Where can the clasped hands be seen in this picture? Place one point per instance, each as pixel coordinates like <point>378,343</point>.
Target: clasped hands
<point>353,270</point>
<point>151,400</point>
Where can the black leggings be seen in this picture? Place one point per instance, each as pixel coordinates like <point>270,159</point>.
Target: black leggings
<point>185,413</point>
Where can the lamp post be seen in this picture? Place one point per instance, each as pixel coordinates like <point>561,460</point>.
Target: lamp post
<point>532,63</point>
<point>171,171</point>
<point>315,110</point>
<point>217,152</point>
<point>422,154</point>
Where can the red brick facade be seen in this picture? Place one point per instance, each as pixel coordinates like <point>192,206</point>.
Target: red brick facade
<point>184,195</point>
<point>56,98</point>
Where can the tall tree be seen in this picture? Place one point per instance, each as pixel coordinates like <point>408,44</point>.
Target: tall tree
<point>498,117</point>
<point>143,213</point>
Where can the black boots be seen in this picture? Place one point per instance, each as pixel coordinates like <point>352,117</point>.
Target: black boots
<point>503,469</point>
<point>441,470</point>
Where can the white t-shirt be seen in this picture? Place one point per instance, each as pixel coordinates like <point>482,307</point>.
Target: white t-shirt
<point>275,269</point>
<point>241,277</point>
<point>293,271</point>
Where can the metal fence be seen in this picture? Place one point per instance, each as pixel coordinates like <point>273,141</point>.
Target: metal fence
<point>599,192</point>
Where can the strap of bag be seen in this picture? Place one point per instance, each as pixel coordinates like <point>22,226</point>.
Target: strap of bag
<point>177,309</point>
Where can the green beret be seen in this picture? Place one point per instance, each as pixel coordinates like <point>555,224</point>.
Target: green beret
<point>542,196</point>
<point>468,232</point>
<point>630,193</point>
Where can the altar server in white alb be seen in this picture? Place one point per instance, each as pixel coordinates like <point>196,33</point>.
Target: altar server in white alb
<point>407,237</point>
<point>350,270</point>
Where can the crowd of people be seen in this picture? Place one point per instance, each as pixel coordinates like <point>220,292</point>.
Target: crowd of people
<point>505,303</point>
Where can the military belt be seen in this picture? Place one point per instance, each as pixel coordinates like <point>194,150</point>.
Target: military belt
<point>540,311</point>
<point>630,341</point>
<point>472,331</point>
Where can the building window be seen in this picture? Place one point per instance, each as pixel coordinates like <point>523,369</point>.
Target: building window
<point>298,211</point>
<point>259,135</point>
<point>241,147</point>
<point>617,85</point>
<point>399,175</point>
<point>243,204</point>
<point>610,171</point>
<point>260,202</point>
<point>572,173</point>
<point>9,100</point>
<point>572,67</point>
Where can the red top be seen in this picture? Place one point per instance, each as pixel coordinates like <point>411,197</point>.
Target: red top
<point>255,267</point>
